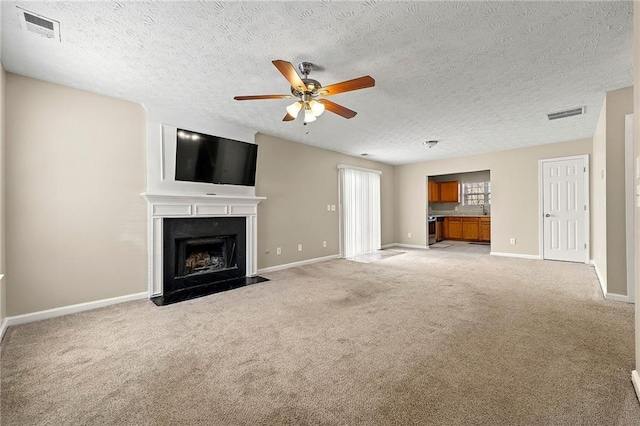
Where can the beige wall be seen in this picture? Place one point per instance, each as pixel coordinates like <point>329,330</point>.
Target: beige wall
<point>3,286</point>
<point>299,181</point>
<point>598,196</point>
<point>76,224</point>
<point>636,150</point>
<point>619,103</point>
<point>514,193</point>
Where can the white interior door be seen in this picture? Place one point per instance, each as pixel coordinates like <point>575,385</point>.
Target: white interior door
<point>565,209</point>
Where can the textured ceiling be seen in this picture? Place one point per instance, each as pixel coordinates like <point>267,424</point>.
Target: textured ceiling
<point>478,76</point>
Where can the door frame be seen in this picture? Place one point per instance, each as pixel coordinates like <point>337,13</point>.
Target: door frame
<point>587,221</point>
<point>630,199</point>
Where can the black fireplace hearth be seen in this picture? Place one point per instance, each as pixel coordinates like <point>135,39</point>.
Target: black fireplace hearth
<point>203,256</point>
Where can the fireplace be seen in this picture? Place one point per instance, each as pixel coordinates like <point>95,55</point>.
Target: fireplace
<point>205,255</point>
<point>203,251</point>
<point>201,244</point>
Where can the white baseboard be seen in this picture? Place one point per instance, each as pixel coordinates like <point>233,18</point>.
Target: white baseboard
<point>609,296</point>
<point>518,255</point>
<point>617,297</point>
<point>635,379</point>
<point>386,246</point>
<point>294,264</point>
<point>603,285</point>
<point>71,309</point>
<point>3,325</point>
<point>3,328</point>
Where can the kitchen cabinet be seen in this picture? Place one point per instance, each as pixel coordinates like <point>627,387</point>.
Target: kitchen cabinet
<point>470,229</point>
<point>453,228</point>
<point>433,190</point>
<point>485,229</point>
<point>443,192</point>
<point>449,192</point>
<point>467,228</point>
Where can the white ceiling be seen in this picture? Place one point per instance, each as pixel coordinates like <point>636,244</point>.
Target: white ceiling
<point>478,76</point>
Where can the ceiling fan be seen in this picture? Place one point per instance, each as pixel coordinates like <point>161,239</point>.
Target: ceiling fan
<point>308,93</point>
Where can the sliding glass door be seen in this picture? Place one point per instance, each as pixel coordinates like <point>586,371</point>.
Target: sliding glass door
<point>359,210</point>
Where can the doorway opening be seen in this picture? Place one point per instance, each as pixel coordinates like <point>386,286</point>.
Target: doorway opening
<point>459,211</point>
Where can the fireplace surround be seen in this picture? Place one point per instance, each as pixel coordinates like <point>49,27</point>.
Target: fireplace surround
<point>219,224</point>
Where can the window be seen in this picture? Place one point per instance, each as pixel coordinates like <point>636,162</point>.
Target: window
<point>476,193</point>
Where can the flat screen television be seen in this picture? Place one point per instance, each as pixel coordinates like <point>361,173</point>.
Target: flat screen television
<point>212,159</point>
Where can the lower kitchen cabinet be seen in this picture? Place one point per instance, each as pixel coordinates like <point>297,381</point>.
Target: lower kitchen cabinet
<point>453,228</point>
<point>485,229</point>
<point>470,229</point>
<point>467,228</point>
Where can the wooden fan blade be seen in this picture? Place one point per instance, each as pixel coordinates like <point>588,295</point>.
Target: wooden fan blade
<point>338,109</point>
<point>289,72</point>
<point>255,97</point>
<point>348,86</point>
<point>288,117</point>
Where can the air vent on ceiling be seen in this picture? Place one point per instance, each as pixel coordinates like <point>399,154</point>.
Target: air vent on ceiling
<point>38,24</point>
<point>567,113</point>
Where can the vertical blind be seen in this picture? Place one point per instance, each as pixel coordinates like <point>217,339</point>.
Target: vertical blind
<point>360,210</point>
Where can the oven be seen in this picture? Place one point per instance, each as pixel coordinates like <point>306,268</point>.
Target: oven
<point>431,222</point>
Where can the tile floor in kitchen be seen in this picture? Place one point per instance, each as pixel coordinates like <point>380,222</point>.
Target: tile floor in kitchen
<point>462,246</point>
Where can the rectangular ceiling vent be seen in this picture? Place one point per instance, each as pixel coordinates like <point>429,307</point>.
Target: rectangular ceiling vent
<point>567,113</point>
<point>38,24</point>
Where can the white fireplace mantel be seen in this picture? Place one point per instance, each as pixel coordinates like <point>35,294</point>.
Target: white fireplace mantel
<point>184,205</point>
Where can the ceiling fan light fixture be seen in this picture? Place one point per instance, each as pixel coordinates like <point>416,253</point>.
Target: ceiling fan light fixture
<point>316,107</point>
<point>294,109</point>
<point>306,91</point>
<point>308,114</point>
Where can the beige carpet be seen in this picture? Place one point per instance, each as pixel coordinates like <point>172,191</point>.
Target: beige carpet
<point>425,337</point>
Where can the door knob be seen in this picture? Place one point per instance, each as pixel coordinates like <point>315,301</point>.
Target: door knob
<point>547,215</point>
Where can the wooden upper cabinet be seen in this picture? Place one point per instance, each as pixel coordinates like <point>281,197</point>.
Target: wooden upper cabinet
<point>450,192</point>
<point>433,189</point>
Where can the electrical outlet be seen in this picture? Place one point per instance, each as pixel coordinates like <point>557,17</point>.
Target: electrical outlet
<point>324,244</point>
<point>328,207</point>
<point>279,250</point>
<point>299,247</point>
<point>333,207</point>
<point>408,234</point>
<point>512,241</point>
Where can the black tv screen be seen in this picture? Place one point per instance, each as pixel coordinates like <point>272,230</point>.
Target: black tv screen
<point>212,159</point>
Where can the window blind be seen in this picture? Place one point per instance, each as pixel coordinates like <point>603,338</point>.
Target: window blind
<point>360,211</point>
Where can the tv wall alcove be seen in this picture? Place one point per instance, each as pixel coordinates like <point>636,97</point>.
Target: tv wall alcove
<point>168,199</point>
